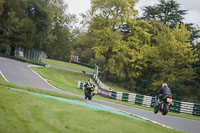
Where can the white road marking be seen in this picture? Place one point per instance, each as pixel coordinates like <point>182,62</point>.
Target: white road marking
<point>41,76</point>
<point>135,115</point>
<point>3,76</point>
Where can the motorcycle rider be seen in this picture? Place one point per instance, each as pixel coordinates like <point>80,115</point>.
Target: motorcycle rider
<point>89,83</point>
<point>162,92</point>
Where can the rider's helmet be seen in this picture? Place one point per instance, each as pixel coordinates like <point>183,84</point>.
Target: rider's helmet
<point>164,85</point>
<point>90,82</point>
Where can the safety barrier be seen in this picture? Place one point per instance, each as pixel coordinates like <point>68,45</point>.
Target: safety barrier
<point>125,97</point>
<point>187,107</point>
<point>81,85</point>
<point>132,98</point>
<point>153,102</point>
<point>196,109</point>
<point>176,106</point>
<point>139,99</point>
<point>147,101</point>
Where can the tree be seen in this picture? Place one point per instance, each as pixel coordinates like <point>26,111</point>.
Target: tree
<point>16,28</point>
<point>167,12</point>
<point>83,48</point>
<point>61,34</point>
<point>175,56</point>
<point>42,24</point>
<point>37,12</point>
<point>155,28</point>
<point>107,17</point>
<point>2,2</point>
<point>107,43</point>
<point>170,14</point>
<point>195,29</point>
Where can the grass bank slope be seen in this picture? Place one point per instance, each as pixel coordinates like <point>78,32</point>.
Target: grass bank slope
<point>21,112</point>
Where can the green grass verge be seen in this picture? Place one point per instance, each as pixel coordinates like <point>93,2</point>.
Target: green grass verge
<point>62,79</point>
<point>22,112</point>
<point>68,81</point>
<point>79,67</point>
<point>116,88</point>
<point>68,65</point>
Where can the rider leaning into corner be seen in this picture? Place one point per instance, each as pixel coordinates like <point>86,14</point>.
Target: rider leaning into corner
<point>163,91</point>
<point>89,83</point>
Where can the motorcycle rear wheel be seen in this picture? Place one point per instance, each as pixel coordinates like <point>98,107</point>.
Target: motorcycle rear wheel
<point>165,109</point>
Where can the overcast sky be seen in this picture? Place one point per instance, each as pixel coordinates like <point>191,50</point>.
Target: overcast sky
<point>193,7</point>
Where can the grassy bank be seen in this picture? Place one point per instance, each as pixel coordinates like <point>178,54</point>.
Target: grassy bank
<point>22,112</point>
<point>79,67</point>
<point>62,79</point>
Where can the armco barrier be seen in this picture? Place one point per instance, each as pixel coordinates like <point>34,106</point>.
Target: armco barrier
<point>148,101</point>
<point>139,99</point>
<point>81,85</point>
<point>104,92</point>
<point>187,107</point>
<point>196,109</point>
<point>114,95</point>
<point>132,97</point>
<point>119,96</point>
<point>125,97</point>
<point>153,102</point>
<point>176,106</point>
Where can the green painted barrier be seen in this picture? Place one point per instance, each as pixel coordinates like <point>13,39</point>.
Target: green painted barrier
<point>139,99</point>
<point>153,102</point>
<point>82,85</point>
<point>176,106</point>
<point>196,109</point>
<point>125,97</point>
<point>114,95</point>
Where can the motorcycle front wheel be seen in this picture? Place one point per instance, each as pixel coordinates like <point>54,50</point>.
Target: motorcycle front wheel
<point>90,96</point>
<point>155,110</point>
<point>85,94</point>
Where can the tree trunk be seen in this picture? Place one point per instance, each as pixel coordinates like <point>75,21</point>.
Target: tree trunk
<point>105,75</point>
<point>12,53</point>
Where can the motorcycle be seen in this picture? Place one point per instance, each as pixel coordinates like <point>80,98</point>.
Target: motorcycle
<point>89,92</point>
<point>163,105</point>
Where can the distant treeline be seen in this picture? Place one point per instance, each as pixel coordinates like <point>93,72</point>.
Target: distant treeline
<point>41,24</point>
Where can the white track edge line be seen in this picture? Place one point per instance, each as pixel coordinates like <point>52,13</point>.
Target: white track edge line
<point>41,76</point>
<point>136,116</point>
<point>3,76</point>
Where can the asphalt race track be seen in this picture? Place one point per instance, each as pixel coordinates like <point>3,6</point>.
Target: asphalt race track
<point>19,73</point>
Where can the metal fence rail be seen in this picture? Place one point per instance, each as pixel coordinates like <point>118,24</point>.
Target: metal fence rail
<point>33,54</point>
